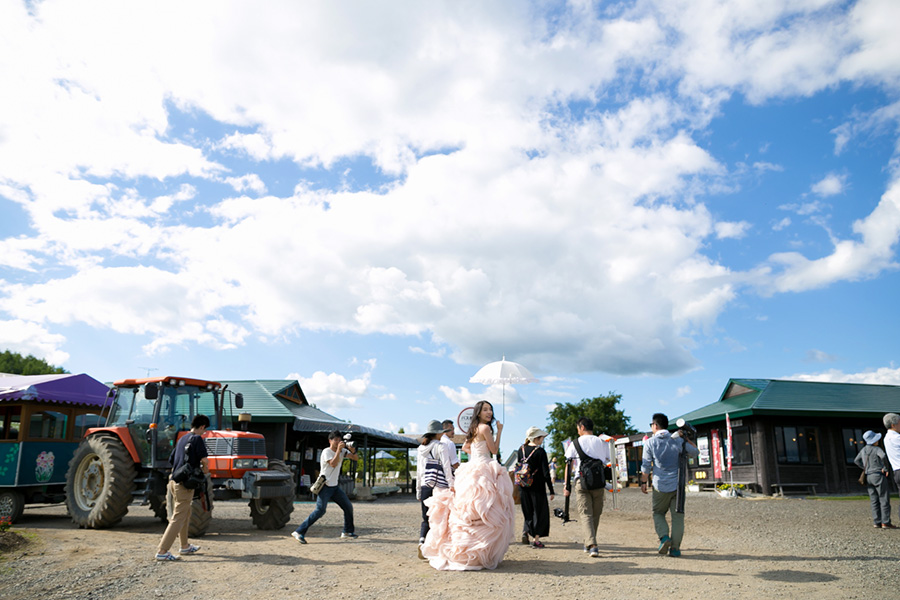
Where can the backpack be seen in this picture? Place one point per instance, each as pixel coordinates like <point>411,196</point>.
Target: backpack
<point>524,474</point>
<point>593,472</point>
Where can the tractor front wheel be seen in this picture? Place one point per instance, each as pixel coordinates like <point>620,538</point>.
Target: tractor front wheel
<point>273,513</point>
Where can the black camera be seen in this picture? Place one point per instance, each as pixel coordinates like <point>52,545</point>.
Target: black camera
<point>348,441</point>
<point>684,429</point>
<point>561,514</point>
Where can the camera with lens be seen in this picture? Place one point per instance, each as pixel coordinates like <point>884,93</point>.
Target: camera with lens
<point>348,441</point>
<point>560,514</point>
<point>684,429</point>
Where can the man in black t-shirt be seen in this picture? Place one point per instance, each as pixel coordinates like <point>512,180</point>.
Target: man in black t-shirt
<point>190,449</point>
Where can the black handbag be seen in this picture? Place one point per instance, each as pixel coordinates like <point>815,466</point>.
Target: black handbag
<point>187,475</point>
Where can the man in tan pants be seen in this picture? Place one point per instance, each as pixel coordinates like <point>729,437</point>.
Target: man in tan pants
<point>191,449</point>
<point>588,502</point>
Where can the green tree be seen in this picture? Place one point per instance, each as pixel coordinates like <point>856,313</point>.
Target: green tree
<point>15,364</point>
<point>601,410</point>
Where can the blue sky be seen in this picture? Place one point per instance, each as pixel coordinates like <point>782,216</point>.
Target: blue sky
<point>379,198</point>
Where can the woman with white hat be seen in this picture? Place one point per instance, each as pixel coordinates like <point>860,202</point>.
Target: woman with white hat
<point>874,462</point>
<point>534,497</point>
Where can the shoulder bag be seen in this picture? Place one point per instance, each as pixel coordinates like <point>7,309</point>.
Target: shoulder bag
<point>592,471</point>
<point>318,485</point>
<point>434,471</point>
<point>862,478</point>
<point>188,475</point>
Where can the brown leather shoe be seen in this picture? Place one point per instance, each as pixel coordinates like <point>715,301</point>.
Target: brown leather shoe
<point>888,526</point>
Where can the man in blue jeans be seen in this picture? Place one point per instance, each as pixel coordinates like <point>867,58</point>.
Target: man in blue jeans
<point>330,466</point>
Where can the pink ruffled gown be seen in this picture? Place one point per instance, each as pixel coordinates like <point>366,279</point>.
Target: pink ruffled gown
<point>471,528</point>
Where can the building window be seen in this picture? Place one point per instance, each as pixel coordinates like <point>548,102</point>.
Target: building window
<point>85,422</point>
<point>10,419</point>
<point>853,443</point>
<point>48,425</point>
<point>797,445</point>
<point>741,450</point>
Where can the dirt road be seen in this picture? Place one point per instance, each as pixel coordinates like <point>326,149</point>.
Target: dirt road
<point>740,548</point>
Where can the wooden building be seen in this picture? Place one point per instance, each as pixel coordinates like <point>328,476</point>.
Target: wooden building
<point>297,431</point>
<point>789,435</point>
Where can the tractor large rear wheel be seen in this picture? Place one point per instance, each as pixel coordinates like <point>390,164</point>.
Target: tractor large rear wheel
<point>99,482</point>
<point>158,506</point>
<point>201,513</point>
<point>273,513</point>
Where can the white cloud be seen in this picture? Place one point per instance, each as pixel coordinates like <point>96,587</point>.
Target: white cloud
<point>782,224</point>
<point>502,220</point>
<point>683,391</point>
<point>871,253</point>
<point>332,391</point>
<point>32,338</point>
<point>879,376</point>
<point>250,182</point>
<point>830,185</point>
<point>731,230</point>
<point>762,167</point>
<point>819,356</point>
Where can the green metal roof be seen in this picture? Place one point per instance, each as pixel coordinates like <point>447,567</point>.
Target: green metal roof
<point>283,401</point>
<point>266,399</point>
<point>743,397</point>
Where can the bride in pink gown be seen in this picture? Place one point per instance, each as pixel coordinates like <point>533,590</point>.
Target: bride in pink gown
<point>471,524</point>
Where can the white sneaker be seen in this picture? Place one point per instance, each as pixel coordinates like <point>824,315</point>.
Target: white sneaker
<point>594,552</point>
<point>298,537</point>
<point>346,535</point>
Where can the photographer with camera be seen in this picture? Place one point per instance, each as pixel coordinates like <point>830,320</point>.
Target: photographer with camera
<point>339,448</point>
<point>662,455</point>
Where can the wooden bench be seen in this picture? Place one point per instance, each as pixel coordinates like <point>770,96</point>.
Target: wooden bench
<point>780,489</point>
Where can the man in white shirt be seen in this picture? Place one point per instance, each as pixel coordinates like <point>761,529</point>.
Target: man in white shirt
<point>892,445</point>
<point>330,463</point>
<point>450,447</point>
<point>588,502</point>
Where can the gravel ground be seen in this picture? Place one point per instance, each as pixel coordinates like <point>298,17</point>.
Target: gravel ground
<point>742,548</point>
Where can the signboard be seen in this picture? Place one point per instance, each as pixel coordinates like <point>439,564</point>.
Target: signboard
<point>728,440</point>
<point>703,447</point>
<point>464,420</point>
<point>717,454</point>
<point>622,462</point>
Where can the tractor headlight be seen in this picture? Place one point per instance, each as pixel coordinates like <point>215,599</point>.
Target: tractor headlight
<point>251,463</point>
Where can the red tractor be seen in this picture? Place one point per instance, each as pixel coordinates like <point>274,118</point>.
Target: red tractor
<point>127,460</point>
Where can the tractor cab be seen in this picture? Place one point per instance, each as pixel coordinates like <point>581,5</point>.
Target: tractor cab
<point>157,412</point>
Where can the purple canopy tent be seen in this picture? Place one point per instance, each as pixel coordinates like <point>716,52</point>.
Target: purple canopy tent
<point>62,389</point>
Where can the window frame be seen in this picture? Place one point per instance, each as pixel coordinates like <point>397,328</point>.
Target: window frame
<point>800,442</point>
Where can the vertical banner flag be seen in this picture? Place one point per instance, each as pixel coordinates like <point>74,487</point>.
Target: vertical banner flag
<point>728,442</point>
<point>717,453</point>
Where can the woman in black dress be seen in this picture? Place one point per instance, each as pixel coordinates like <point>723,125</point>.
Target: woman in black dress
<point>534,497</point>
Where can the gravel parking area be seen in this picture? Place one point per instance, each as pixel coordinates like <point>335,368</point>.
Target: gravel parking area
<point>742,548</point>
